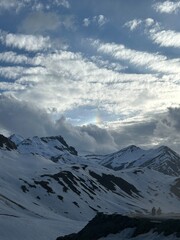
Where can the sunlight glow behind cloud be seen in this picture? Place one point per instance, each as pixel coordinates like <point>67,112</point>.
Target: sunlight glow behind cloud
<point>115,66</point>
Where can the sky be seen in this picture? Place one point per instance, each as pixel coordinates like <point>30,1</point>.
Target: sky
<point>103,74</point>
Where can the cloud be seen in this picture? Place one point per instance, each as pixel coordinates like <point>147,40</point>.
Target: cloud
<point>167,7</point>
<point>149,22</point>
<point>12,4</point>
<point>154,30</point>
<point>136,23</point>
<point>89,138</point>
<point>11,72</point>
<point>174,118</point>
<point>21,117</point>
<point>63,3</point>
<point>86,22</point>
<point>168,128</point>
<point>9,86</point>
<point>153,62</point>
<point>58,78</point>
<point>27,120</point>
<point>99,20</point>
<point>153,130</point>
<point>35,5</point>
<point>68,22</point>
<point>133,24</point>
<point>138,133</point>
<point>43,22</point>
<point>39,22</point>
<point>13,57</point>
<point>165,38</point>
<point>25,41</point>
<point>65,80</point>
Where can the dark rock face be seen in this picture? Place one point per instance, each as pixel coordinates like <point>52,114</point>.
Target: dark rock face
<point>110,182</point>
<point>59,138</point>
<point>7,143</point>
<point>175,189</point>
<point>71,149</point>
<point>103,225</point>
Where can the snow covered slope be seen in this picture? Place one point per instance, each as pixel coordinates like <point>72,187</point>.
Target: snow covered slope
<point>45,184</point>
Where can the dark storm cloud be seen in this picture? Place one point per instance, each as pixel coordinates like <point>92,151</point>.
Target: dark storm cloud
<point>23,118</point>
<point>135,133</point>
<point>174,116</point>
<point>27,120</point>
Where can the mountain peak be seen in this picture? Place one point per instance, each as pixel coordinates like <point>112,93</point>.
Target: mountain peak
<point>162,159</point>
<point>16,138</point>
<point>52,138</point>
<point>164,148</point>
<point>132,148</point>
<point>51,147</point>
<point>6,143</point>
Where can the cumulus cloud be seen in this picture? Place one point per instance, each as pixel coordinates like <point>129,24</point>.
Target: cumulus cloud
<point>86,22</point>
<point>27,120</point>
<point>100,20</point>
<point>167,6</point>
<point>136,23</point>
<point>167,128</point>
<point>173,117</point>
<point>133,24</point>
<point>149,22</point>
<point>21,117</point>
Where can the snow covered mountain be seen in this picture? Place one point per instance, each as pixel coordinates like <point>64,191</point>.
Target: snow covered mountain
<point>45,183</point>
<point>49,147</point>
<point>162,159</point>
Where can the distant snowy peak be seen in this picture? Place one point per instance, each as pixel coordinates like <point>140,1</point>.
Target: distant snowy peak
<point>131,148</point>
<point>162,159</point>
<point>121,159</point>
<point>49,147</point>
<point>6,143</point>
<point>16,139</point>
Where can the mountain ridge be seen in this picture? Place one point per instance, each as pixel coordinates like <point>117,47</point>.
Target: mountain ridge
<point>161,159</point>
<point>44,184</point>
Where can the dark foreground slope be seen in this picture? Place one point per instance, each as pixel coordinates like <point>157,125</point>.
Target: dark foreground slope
<point>103,225</point>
